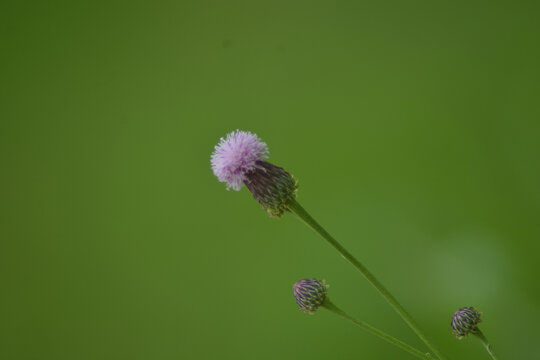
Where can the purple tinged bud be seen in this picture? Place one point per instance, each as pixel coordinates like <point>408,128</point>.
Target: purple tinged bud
<point>272,187</point>
<point>238,160</point>
<point>310,294</point>
<point>465,321</point>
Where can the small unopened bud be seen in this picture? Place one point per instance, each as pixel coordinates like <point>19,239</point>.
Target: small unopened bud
<point>465,321</point>
<point>310,294</point>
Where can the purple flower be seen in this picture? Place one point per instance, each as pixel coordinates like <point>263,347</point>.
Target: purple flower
<point>309,294</point>
<point>235,156</point>
<point>238,160</point>
<point>465,321</point>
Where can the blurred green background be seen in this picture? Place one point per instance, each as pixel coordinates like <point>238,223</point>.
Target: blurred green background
<point>413,128</point>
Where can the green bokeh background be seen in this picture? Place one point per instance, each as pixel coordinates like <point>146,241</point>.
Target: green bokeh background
<point>413,127</point>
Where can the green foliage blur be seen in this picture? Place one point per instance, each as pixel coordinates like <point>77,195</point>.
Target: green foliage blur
<point>413,128</point>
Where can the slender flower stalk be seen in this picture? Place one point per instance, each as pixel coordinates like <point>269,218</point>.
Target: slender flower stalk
<point>486,344</point>
<point>299,211</point>
<point>373,330</point>
<point>310,294</point>
<point>465,321</point>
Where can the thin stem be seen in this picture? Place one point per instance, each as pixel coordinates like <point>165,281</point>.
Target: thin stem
<point>297,209</point>
<point>400,344</point>
<point>484,340</point>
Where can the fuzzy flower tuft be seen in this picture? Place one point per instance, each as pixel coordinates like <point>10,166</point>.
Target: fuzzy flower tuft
<point>238,160</point>
<point>235,156</point>
<point>310,294</point>
<point>465,321</point>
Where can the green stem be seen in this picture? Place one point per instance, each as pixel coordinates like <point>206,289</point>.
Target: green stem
<point>400,344</point>
<point>484,340</point>
<point>297,209</point>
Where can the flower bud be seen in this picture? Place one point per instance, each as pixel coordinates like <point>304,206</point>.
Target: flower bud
<point>310,294</point>
<point>465,321</point>
<point>272,187</point>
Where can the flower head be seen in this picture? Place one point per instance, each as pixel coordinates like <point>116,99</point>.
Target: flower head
<point>238,160</point>
<point>235,156</point>
<point>310,294</point>
<point>465,321</point>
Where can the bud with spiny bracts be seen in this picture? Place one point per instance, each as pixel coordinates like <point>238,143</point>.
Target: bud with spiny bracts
<point>238,160</point>
<point>272,187</point>
<point>310,294</point>
<point>465,321</point>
